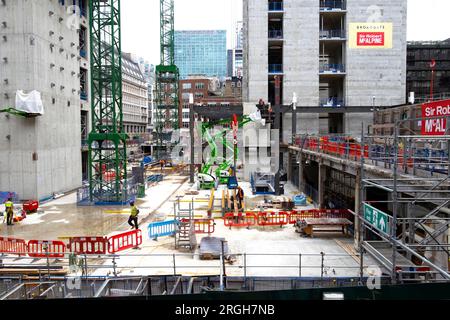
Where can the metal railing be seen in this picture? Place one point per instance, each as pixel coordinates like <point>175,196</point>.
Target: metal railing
<point>436,97</point>
<point>381,153</point>
<point>243,264</point>
<point>332,68</point>
<point>332,102</point>
<point>328,34</point>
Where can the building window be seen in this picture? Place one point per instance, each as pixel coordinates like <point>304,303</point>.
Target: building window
<point>83,42</point>
<point>199,85</point>
<point>83,84</point>
<point>187,86</point>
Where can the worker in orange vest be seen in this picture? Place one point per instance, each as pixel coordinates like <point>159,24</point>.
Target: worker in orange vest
<point>240,197</point>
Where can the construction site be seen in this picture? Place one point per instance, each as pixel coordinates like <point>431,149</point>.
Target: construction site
<point>307,188</point>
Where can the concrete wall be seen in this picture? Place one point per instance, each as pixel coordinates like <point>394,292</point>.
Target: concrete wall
<point>55,137</point>
<point>301,62</point>
<point>256,51</point>
<point>379,73</point>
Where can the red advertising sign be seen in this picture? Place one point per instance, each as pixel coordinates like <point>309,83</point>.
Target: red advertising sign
<point>432,125</point>
<point>370,39</point>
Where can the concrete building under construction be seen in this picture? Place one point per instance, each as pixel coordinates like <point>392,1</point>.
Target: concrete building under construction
<point>41,156</point>
<point>316,48</point>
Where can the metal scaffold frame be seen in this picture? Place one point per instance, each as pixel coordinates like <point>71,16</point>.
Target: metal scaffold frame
<point>167,77</point>
<point>415,232</point>
<point>107,142</point>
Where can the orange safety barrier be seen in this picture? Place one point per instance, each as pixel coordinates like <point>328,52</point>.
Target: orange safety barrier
<point>240,220</point>
<point>44,249</point>
<point>204,226</point>
<point>317,213</point>
<point>13,246</point>
<point>273,218</point>
<point>88,245</point>
<point>124,241</point>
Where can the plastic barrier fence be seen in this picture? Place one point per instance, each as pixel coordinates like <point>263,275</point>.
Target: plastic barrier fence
<point>31,206</point>
<point>204,226</point>
<point>43,249</point>
<point>317,213</point>
<point>88,245</point>
<point>273,218</point>
<point>161,229</point>
<point>240,220</point>
<point>13,246</point>
<point>124,241</point>
<point>281,218</point>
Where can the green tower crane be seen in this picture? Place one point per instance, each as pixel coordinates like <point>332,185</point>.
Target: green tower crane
<point>107,141</point>
<point>167,76</point>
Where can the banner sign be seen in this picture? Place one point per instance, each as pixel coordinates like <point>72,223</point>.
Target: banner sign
<point>370,35</point>
<point>432,126</point>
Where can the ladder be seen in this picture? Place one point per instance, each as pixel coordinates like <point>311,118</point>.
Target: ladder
<point>185,228</point>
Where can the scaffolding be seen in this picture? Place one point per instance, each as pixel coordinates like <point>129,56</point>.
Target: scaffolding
<point>107,142</point>
<point>167,76</point>
<point>408,231</point>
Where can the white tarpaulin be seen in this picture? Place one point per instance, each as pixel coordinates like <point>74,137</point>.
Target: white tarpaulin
<point>29,102</point>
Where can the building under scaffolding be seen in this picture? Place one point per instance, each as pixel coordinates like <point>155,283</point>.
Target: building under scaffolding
<point>410,227</point>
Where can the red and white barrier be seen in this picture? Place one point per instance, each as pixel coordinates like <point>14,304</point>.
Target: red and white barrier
<point>124,241</point>
<point>13,246</point>
<point>44,249</point>
<point>240,220</point>
<point>88,245</point>
<point>273,219</point>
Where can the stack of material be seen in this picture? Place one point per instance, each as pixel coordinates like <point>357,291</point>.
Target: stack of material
<point>283,203</point>
<point>211,248</point>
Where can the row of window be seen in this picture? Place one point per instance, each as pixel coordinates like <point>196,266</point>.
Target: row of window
<point>128,98</point>
<point>133,90</point>
<point>134,129</point>
<point>198,85</point>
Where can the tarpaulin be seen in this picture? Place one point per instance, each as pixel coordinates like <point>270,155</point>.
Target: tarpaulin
<point>29,102</point>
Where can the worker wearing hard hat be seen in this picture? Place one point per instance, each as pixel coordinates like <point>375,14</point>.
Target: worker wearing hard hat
<point>133,220</point>
<point>9,212</point>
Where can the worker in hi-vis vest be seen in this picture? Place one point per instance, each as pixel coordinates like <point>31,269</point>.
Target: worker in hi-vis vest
<point>9,212</point>
<point>133,220</point>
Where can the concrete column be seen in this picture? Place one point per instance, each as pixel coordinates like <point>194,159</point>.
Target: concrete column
<point>289,167</point>
<point>191,129</point>
<point>322,176</point>
<point>357,225</point>
<point>301,178</point>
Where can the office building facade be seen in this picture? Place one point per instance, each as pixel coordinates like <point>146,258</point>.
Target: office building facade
<point>419,68</point>
<point>201,53</point>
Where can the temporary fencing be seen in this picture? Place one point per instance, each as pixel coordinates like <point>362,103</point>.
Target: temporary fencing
<point>273,218</point>
<point>161,229</point>
<point>281,218</point>
<point>204,226</point>
<point>13,246</point>
<point>240,220</point>
<point>318,213</point>
<point>124,241</point>
<point>88,245</point>
<point>43,249</point>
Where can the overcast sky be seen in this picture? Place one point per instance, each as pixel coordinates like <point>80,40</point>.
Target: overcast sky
<point>427,20</point>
